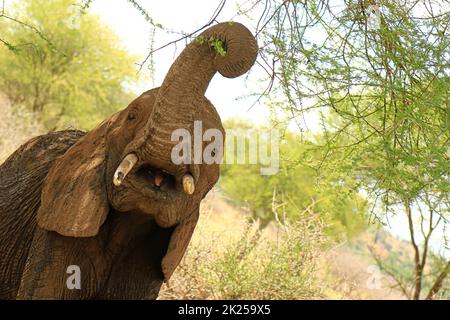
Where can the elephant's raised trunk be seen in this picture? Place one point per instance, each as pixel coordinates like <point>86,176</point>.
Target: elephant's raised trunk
<point>229,48</point>
<point>196,65</point>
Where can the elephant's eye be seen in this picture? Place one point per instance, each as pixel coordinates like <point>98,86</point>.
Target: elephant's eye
<point>131,116</point>
<point>213,152</point>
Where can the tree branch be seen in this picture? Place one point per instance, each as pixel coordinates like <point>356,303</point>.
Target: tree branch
<point>418,266</point>
<point>186,36</point>
<point>439,282</point>
<point>391,274</point>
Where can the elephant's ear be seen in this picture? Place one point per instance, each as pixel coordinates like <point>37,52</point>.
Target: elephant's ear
<point>73,200</point>
<point>178,243</point>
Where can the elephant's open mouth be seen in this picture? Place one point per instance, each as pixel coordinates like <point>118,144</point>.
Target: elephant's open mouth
<point>154,179</point>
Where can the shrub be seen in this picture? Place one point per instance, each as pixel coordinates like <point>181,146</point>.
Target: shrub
<point>67,74</point>
<point>251,263</point>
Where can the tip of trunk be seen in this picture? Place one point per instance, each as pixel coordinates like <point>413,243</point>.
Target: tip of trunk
<point>236,48</point>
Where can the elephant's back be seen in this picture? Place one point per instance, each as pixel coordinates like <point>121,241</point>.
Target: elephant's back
<point>21,177</point>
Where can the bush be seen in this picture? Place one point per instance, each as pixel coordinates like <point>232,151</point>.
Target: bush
<point>297,188</point>
<point>66,73</point>
<point>248,263</point>
<point>16,128</point>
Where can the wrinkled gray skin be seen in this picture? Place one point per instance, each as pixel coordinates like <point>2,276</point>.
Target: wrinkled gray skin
<point>59,206</point>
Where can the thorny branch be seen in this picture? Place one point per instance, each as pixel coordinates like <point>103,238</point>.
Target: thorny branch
<point>212,20</point>
<point>9,45</point>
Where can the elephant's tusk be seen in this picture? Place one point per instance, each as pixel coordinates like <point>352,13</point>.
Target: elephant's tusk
<point>124,168</point>
<point>188,184</point>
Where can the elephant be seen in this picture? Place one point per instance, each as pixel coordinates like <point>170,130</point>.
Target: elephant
<point>111,201</point>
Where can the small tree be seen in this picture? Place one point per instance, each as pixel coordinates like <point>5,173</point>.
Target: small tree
<point>378,73</point>
<point>63,64</point>
<point>296,190</point>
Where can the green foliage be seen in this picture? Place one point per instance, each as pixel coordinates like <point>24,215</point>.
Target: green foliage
<point>218,45</point>
<point>383,94</point>
<point>280,270</point>
<point>254,267</point>
<point>404,162</point>
<point>145,14</point>
<point>297,190</point>
<point>215,43</point>
<point>73,71</point>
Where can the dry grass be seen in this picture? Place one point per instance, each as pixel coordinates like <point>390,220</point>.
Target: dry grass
<point>16,127</point>
<point>230,258</point>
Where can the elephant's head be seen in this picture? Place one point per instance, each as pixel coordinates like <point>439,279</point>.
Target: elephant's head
<point>125,163</point>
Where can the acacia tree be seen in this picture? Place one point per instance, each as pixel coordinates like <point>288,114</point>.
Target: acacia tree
<point>378,73</point>
<point>295,191</point>
<point>62,64</point>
